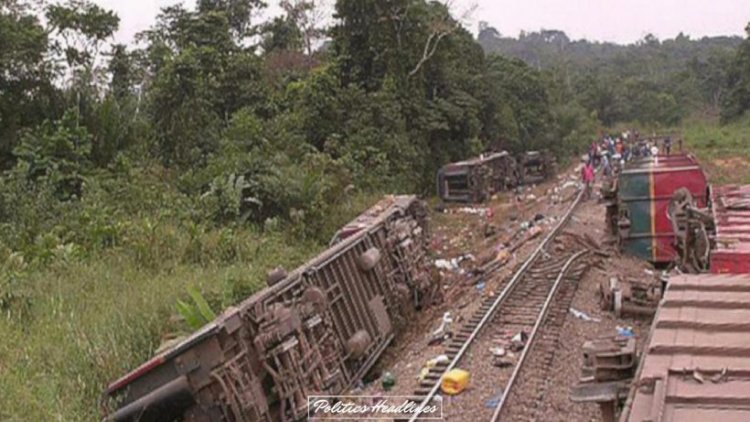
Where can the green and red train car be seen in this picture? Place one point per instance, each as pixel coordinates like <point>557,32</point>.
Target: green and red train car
<point>644,193</point>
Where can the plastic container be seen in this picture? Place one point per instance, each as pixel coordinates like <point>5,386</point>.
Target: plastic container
<point>455,381</point>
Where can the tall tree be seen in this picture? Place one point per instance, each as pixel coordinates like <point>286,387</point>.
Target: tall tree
<point>737,100</point>
<point>202,74</point>
<point>27,95</point>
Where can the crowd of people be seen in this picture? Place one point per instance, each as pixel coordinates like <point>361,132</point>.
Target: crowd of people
<point>610,153</point>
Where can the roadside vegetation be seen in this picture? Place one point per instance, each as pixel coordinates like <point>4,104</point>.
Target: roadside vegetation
<point>724,149</point>
<point>143,184</point>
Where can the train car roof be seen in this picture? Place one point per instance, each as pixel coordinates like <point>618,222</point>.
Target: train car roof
<point>694,365</point>
<point>478,160</point>
<point>662,164</point>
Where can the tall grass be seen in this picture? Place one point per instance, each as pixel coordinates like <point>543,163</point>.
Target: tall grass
<point>724,150</point>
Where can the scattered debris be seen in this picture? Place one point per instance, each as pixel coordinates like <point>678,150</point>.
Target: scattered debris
<point>569,184</point>
<point>388,381</point>
<point>625,331</point>
<point>582,315</point>
<point>518,342</point>
<point>609,365</point>
<point>494,401</point>
<point>608,359</point>
<point>438,360</point>
<point>507,359</point>
<point>720,376</point>
<point>455,381</point>
<point>697,376</point>
<point>423,373</point>
<point>443,332</point>
<point>483,212</point>
<point>453,264</point>
<point>443,264</point>
<point>490,230</point>
<point>633,297</point>
<point>497,351</point>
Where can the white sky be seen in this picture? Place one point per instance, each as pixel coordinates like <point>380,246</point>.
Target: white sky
<point>622,21</point>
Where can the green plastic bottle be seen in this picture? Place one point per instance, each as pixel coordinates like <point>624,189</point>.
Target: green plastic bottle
<point>388,381</point>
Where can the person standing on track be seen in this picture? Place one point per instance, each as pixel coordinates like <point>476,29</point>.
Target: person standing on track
<point>588,174</point>
<point>606,163</point>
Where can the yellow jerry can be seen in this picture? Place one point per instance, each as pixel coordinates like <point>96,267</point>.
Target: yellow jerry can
<point>455,381</point>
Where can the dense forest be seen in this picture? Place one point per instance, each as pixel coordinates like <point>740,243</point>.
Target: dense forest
<point>138,180</point>
<point>650,82</point>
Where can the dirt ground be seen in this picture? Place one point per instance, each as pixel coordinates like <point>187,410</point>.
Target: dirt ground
<point>457,231</point>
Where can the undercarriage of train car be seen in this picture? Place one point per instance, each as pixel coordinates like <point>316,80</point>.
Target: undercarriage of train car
<point>314,331</point>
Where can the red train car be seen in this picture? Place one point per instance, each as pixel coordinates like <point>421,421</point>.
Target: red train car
<point>731,213</point>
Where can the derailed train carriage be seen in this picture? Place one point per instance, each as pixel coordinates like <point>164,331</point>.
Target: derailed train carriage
<point>716,237</point>
<point>536,166</point>
<point>639,203</point>
<point>477,179</point>
<point>314,331</point>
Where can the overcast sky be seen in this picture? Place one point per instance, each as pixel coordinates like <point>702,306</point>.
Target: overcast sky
<point>622,21</point>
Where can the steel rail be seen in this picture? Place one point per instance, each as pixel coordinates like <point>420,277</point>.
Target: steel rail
<point>517,277</point>
<point>533,335</point>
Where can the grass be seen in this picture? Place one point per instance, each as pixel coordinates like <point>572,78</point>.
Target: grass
<point>724,150</point>
<point>78,321</point>
<point>91,321</point>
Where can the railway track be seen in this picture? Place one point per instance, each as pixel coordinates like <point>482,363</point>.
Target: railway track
<point>534,301</point>
<point>525,390</point>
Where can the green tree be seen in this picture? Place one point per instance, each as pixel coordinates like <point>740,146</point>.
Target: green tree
<point>201,77</point>
<point>57,152</point>
<point>737,100</point>
<point>27,95</point>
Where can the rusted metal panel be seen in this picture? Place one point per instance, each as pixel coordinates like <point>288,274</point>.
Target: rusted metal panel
<point>695,365</point>
<point>317,330</point>
<point>731,209</point>
<point>477,179</point>
<point>608,359</point>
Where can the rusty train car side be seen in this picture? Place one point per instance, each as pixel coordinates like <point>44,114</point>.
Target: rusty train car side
<point>316,330</point>
<point>476,179</point>
<point>536,166</point>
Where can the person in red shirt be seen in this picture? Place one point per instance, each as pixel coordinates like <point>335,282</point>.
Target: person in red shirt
<point>588,178</point>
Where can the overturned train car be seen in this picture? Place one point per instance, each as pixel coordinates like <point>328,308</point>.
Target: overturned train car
<point>477,179</point>
<point>715,238</point>
<point>314,331</point>
<point>536,166</point>
<point>639,204</point>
